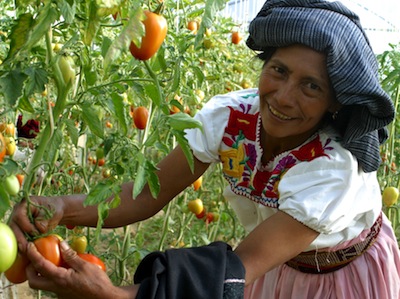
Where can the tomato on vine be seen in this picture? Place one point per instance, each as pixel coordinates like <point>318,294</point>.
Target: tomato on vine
<point>10,145</point>
<point>197,183</point>
<point>236,37</point>
<point>16,274</point>
<point>11,185</point>
<point>49,247</point>
<point>140,117</point>
<point>93,259</point>
<point>79,243</point>
<point>193,26</point>
<point>66,65</point>
<point>2,148</point>
<point>155,27</point>
<point>8,247</point>
<point>196,206</point>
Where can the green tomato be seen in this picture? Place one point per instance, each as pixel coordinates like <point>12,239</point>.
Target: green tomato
<point>67,68</point>
<point>11,185</point>
<point>8,247</point>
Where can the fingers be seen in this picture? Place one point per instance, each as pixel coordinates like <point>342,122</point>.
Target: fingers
<point>70,257</point>
<point>41,273</point>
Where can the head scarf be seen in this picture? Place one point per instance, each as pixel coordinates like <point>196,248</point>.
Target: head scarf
<point>332,28</point>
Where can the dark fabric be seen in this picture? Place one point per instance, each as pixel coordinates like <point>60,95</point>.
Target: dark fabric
<point>212,271</point>
<point>331,28</point>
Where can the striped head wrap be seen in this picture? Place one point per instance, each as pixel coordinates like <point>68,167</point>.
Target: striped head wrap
<point>332,28</point>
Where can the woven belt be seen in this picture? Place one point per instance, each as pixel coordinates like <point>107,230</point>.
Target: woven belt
<point>328,261</point>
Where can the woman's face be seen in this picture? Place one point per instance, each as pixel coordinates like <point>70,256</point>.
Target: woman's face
<point>295,93</point>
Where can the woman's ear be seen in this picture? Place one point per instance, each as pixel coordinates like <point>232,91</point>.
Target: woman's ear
<point>335,107</point>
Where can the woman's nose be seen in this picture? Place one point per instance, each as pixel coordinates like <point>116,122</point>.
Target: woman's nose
<point>286,94</point>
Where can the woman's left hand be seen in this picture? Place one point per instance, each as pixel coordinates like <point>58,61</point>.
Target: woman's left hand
<point>81,280</point>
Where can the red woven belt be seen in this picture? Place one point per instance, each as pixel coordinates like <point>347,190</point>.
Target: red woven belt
<point>328,261</point>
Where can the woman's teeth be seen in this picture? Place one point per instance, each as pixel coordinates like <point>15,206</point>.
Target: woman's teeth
<point>278,114</point>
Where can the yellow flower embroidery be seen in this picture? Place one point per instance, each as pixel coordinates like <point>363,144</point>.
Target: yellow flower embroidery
<point>231,161</point>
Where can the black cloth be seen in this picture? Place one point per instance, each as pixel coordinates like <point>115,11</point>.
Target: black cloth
<point>213,272</point>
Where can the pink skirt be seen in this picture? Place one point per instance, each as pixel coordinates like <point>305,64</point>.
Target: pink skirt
<point>373,275</point>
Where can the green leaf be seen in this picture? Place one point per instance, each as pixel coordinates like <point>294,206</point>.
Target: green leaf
<point>37,78</point>
<point>19,34</point>
<point>43,22</point>
<point>54,145</point>
<point>5,204</point>
<point>101,192</point>
<point>177,76</point>
<point>181,121</point>
<point>93,24</point>
<point>25,104</point>
<point>140,181</point>
<point>152,93</point>
<point>152,179</point>
<point>91,118</point>
<point>119,111</point>
<point>72,131</point>
<point>210,11</point>
<point>11,85</point>
<point>132,31</point>
<point>183,143</point>
<point>67,10</point>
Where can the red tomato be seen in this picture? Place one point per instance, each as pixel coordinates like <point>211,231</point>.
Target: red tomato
<point>155,27</point>
<point>93,259</point>
<point>49,247</point>
<point>17,274</point>
<point>140,117</point>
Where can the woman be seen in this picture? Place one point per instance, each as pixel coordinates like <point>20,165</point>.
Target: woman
<point>300,155</point>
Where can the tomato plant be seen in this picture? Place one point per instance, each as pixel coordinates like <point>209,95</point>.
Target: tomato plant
<point>16,273</point>
<point>155,26</point>
<point>93,259</point>
<point>8,247</point>
<point>140,117</point>
<point>49,247</point>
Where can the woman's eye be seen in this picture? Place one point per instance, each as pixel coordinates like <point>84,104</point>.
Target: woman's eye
<point>313,86</point>
<point>278,69</point>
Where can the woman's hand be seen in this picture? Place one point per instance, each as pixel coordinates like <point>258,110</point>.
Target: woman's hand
<point>45,212</point>
<point>81,280</point>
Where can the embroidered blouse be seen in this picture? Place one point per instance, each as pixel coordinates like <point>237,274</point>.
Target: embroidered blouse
<point>319,183</point>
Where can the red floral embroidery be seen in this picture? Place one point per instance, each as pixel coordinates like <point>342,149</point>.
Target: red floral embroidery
<point>310,151</point>
<point>239,121</point>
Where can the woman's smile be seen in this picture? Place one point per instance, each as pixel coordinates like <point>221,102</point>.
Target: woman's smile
<point>278,114</point>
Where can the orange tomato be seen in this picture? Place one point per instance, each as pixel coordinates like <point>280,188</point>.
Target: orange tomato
<point>140,117</point>
<point>49,247</point>
<point>93,259</point>
<point>7,129</point>
<point>197,183</point>
<point>193,26</point>
<point>155,27</point>
<point>236,37</point>
<point>20,178</point>
<point>2,148</point>
<point>16,274</point>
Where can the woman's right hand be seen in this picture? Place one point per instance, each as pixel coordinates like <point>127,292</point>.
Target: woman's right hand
<point>45,213</point>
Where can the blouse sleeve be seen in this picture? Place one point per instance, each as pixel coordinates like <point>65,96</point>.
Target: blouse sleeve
<point>214,116</point>
<point>330,194</point>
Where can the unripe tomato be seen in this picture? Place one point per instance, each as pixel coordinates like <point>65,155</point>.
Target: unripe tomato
<point>2,148</point>
<point>390,196</point>
<point>197,183</point>
<point>66,65</point>
<point>11,185</point>
<point>106,173</point>
<point>10,145</point>
<point>79,244</point>
<point>7,129</point>
<point>93,259</point>
<point>140,117</point>
<point>99,153</point>
<point>8,247</point>
<point>196,206</point>
<point>155,27</point>
<point>236,37</point>
<point>49,247</point>
<point>16,274</point>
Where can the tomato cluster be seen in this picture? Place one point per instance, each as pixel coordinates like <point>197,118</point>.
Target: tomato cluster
<point>196,207</point>
<point>49,247</point>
